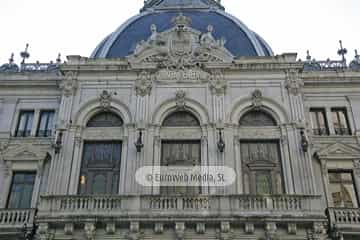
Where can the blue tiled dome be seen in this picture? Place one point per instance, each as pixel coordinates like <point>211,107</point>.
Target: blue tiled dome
<point>240,40</point>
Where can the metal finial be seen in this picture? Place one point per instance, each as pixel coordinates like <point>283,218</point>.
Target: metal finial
<point>25,54</point>
<point>342,51</point>
<point>357,56</point>
<point>11,59</point>
<point>308,56</point>
<point>58,59</point>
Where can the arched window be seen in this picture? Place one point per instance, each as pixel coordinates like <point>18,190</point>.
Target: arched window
<point>257,118</point>
<point>181,119</point>
<point>105,119</point>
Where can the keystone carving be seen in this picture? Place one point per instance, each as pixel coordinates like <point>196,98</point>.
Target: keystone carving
<point>257,98</point>
<point>105,100</point>
<point>143,84</point>
<point>69,84</point>
<point>180,99</point>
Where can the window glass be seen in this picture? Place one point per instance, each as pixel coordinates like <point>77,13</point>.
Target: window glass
<point>318,122</point>
<point>340,122</point>
<point>257,118</point>
<point>181,119</point>
<point>24,124</point>
<point>342,189</point>
<point>46,124</point>
<point>263,182</point>
<point>21,190</point>
<point>100,168</point>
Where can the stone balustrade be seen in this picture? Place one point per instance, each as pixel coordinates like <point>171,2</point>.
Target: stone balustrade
<point>16,218</point>
<point>343,218</point>
<point>148,206</point>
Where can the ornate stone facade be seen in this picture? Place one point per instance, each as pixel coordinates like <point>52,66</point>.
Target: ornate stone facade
<point>286,165</point>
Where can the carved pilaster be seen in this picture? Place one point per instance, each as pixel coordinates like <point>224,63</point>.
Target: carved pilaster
<point>69,84</point>
<point>294,83</point>
<point>143,84</point>
<point>105,100</point>
<point>225,232</point>
<point>249,228</point>
<point>180,230</point>
<point>90,230</point>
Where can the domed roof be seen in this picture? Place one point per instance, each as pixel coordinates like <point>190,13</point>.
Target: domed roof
<point>240,40</point>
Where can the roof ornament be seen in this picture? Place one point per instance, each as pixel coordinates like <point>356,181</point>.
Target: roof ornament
<point>357,56</point>
<point>342,52</point>
<point>25,54</point>
<point>181,21</point>
<point>308,56</point>
<point>11,59</point>
<point>355,64</point>
<point>58,59</point>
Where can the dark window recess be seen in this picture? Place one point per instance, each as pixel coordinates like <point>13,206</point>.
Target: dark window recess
<point>178,154</point>
<point>46,124</point>
<point>261,163</point>
<point>342,189</point>
<point>24,125</point>
<point>181,119</point>
<point>21,190</point>
<point>100,168</point>
<point>319,122</point>
<point>257,118</point>
<point>340,121</point>
<point>105,119</point>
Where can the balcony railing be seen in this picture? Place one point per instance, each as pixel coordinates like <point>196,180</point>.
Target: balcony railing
<point>148,206</point>
<point>16,218</point>
<point>345,218</point>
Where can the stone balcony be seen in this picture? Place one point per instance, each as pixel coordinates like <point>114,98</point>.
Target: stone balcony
<point>344,220</point>
<point>153,208</point>
<point>15,221</point>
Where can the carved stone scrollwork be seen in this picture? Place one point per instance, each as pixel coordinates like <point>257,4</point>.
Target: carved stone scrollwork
<point>217,83</point>
<point>200,228</point>
<point>257,99</point>
<point>143,84</point>
<point>180,230</point>
<point>90,230</point>
<point>292,228</point>
<point>293,83</point>
<point>69,229</point>
<point>69,84</point>
<point>356,164</point>
<point>180,99</point>
<point>249,228</point>
<point>110,228</point>
<point>318,228</point>
<point>225,232</point>
<point>43,231</point>
<point>270,231</point>
<point>105,100</point>
<point>159,228</point>
<point>134,232</point>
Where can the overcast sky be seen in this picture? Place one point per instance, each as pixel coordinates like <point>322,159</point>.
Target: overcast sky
<point>75,27</point>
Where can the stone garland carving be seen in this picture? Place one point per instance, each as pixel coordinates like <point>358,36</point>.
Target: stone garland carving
<point>256,99</point>
<point>144,83</point>
<point>294,84</point>
<point>69,84</point>
<point>180,99</point>
<point>217,83</point>
<point>105,100</point>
